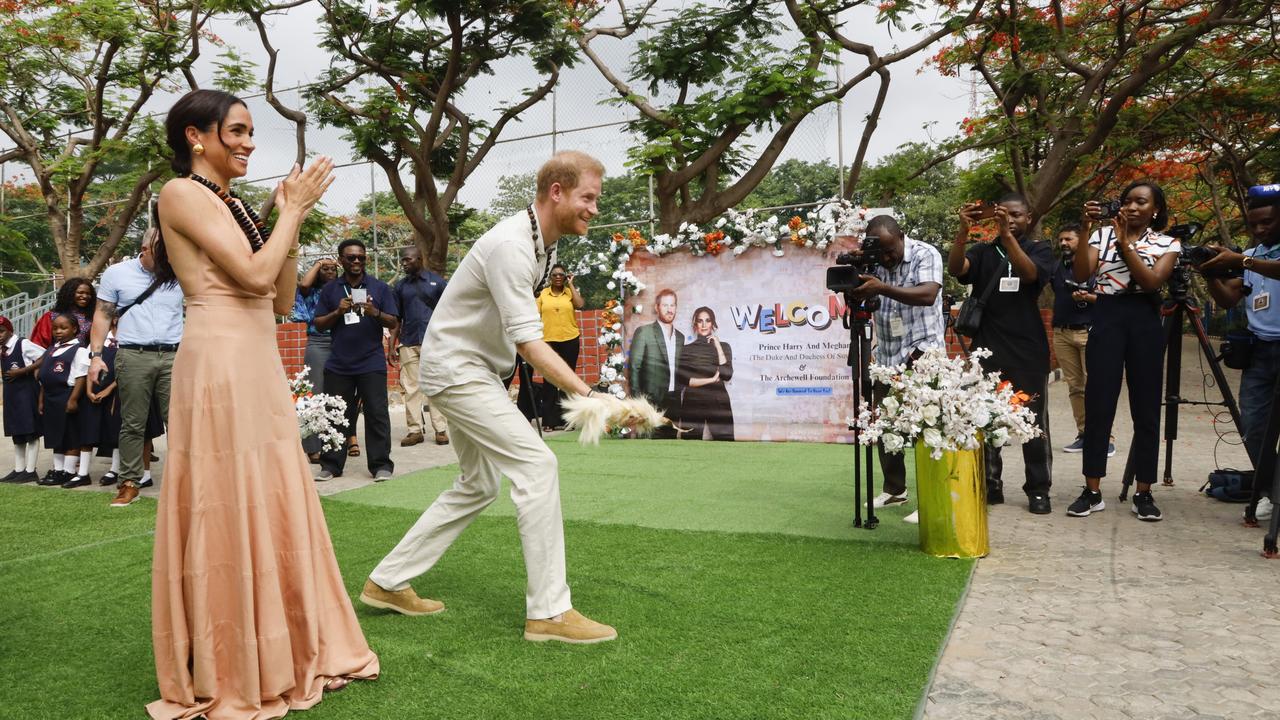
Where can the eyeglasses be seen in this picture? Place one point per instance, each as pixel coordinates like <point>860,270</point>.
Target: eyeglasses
<point>353,258</point>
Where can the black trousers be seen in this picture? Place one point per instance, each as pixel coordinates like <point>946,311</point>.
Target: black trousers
<point>1126,343</point>
<point>371,390</point>
<point>1036,453</point>
<point>568,350</point>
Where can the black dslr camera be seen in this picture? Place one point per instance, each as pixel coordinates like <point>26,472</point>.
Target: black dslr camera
<point>1109,209</point>
<point>1075,287</point>
<point>844,277</point>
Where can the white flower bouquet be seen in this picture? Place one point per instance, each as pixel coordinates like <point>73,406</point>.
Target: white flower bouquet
<point>946,403</point>
<point>318,414</point>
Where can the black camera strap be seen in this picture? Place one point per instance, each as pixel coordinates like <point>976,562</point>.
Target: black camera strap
<point>995,280</point>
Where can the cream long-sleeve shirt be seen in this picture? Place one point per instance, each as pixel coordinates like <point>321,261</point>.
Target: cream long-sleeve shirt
<point>487,309</point>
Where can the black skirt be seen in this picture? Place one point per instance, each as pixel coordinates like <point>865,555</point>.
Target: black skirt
<point>21,409</point>
<point>100,425</point>
<point>61,429</point>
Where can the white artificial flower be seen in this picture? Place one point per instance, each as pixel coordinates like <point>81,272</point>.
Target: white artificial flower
<point>930,413</point>
<point>609,374</point>
<point>892,442</point>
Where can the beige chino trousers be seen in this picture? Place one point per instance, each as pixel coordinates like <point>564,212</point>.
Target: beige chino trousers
<point>491,439</point>
<point>410,358</point>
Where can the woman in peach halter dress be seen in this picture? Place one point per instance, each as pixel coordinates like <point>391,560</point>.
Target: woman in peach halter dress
<point>249,616</point>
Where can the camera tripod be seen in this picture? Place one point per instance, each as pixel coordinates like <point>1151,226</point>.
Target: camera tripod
<point>1178,308</point>
<point>857,319</point>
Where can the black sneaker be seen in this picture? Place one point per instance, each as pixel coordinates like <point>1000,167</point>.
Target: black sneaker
<point>1088,502</point>
<point>54,477</point>
<point>76,481</point>
<point>108,478</point>
<point>995,497</point>
<point>1144,506</point>
<point>12,477</point>
<point>1039,505</point>
<point>29,476</point>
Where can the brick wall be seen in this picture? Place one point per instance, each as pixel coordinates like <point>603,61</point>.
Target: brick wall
<point>291,339</point>
<point>953,344</point>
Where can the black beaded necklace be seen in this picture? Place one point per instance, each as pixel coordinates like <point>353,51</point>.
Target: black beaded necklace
<point>546,270</point>
<point>250,224</point>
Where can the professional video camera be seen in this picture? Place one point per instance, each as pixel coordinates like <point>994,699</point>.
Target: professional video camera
<point>844,277</point>
<point>1198,254</point>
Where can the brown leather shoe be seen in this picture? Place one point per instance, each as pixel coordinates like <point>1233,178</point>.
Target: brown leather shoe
<point>573,627</point>
<point>405,602</point>
<point>412,439</point>
<point>442,439</point>
<point>125,496</point>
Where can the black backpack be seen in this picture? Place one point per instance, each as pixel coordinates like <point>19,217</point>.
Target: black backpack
<point>1229,485</point>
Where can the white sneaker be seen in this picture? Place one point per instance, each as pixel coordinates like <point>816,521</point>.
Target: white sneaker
<point>1263,511</point>
<point>885,499</point>
<point>913,518</point>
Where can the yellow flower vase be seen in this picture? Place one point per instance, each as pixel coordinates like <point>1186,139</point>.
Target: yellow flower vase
<point>952,497</point>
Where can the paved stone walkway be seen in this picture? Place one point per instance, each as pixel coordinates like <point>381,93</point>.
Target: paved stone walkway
<point>1110,617</point>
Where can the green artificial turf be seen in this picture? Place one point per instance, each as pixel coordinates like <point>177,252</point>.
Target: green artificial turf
<point>790,488</point>
<point>712,624</point>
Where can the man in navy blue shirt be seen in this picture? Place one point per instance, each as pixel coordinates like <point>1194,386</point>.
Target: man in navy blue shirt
<point>417,294</point>
<point>356,308</point>
<point>1072,317</point>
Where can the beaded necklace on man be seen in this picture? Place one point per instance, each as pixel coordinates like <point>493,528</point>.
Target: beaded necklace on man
<point>250,224</point>
<point>546,270</point>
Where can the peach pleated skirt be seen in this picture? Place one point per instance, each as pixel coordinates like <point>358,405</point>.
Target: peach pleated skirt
<point>249,616</point>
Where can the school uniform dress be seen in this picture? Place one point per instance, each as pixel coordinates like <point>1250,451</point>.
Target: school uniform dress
<point>249,614</point>
<point>21,396</point>
<point>63,364</point>
<point>100,422</point>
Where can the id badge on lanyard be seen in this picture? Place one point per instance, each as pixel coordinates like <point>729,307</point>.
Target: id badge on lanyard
<point>1010,283</point>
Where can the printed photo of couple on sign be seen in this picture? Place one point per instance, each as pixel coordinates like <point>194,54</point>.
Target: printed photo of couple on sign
<point>743,346</point>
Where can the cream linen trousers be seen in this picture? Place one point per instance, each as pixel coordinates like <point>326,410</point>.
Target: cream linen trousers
<point>491,439</point>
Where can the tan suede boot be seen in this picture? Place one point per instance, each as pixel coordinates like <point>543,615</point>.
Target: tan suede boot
<point>573,627</point>
<point>405,602</point>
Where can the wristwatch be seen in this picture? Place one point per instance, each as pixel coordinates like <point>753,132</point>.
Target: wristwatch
<point>94,353</point>
<point>1247,263</point>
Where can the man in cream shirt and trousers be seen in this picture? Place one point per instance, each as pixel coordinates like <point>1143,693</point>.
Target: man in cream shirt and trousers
<point>486,315</point>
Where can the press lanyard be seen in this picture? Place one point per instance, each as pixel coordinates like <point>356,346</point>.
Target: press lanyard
<point>1004,257</point>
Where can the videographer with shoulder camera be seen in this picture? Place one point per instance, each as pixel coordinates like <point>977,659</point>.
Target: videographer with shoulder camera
<point>1018,266</point>
<point>908,280</point>
<point>1072,316</point>
<point>1260,285</point>
<point>1131,260</point>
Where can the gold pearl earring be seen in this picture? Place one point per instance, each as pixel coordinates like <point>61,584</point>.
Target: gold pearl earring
<point>197,149</point>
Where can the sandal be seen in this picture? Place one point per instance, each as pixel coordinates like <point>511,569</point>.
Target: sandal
<point>354,450</point>
<point>334,684</point>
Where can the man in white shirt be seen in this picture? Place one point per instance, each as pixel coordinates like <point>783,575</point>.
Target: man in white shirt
<point>486,316</point>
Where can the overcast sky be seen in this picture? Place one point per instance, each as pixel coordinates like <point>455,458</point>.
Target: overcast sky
<point>922,105</point>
